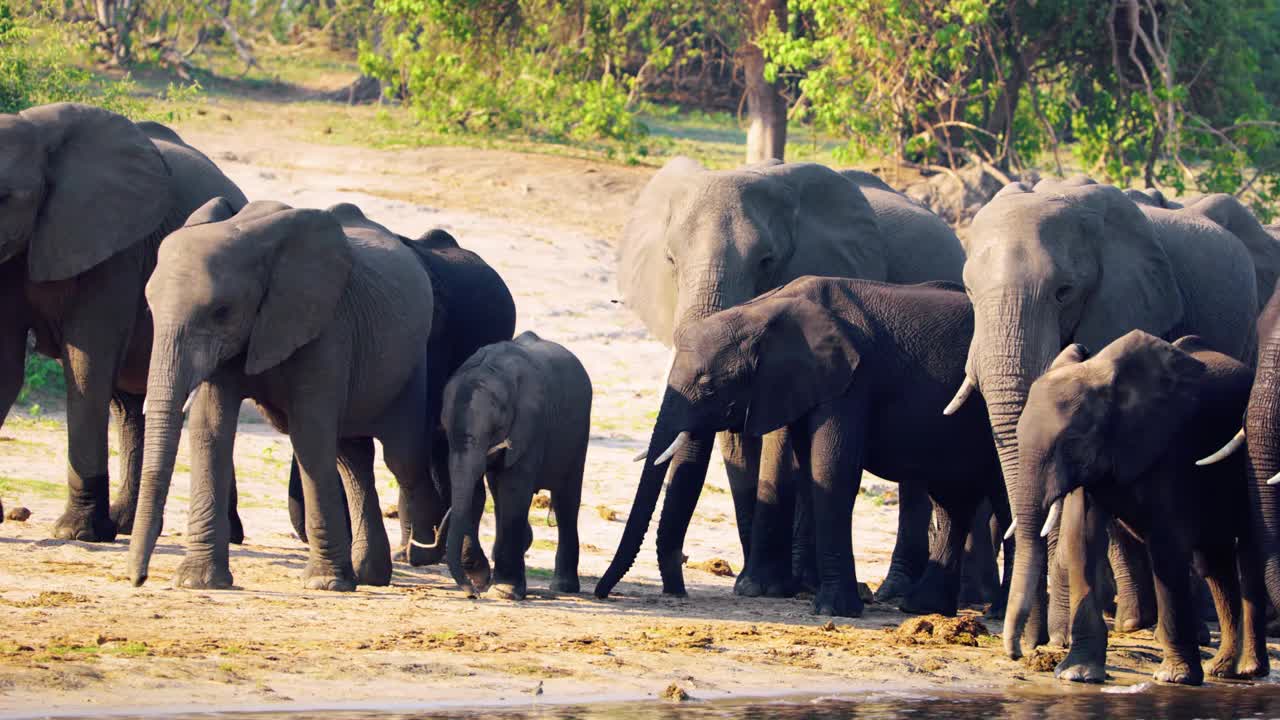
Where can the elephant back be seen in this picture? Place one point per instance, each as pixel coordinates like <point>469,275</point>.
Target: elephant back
<point>196,179</point>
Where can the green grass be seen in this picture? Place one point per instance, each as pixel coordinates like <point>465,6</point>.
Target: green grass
<point>12,487</point>
<point>539,573</point>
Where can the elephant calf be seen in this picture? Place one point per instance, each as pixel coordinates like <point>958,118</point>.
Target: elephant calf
<point>520,413</point>
<point>1119,435</point>
<point>858,371</point>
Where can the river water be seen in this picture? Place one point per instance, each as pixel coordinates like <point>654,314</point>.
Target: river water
<point>1144,701</point>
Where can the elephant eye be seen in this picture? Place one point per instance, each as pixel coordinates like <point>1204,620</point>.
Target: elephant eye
<point>1064,293</point>
<point>671,259</point>
<point>766,263</point>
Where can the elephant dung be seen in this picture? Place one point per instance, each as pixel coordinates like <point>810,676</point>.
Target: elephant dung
<point>18,514</point>
<point>675,693</point>
<point>715,566</point>
<point>1044,660</point>
<point>940,630</point>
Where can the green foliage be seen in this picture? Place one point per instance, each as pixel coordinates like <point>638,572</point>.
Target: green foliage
<point>42,378</point>
<point>37,64</point>
<point>561,71</point>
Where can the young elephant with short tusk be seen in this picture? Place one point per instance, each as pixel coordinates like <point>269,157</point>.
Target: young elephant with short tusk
<point>1118,435</point>
<point>858,372</point>
<point>518,412</point>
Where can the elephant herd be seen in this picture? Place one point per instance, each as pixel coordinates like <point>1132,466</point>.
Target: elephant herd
<point>1089,383</point>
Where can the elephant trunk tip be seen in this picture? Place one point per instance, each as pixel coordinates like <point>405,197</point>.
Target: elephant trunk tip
<point>139,578</point>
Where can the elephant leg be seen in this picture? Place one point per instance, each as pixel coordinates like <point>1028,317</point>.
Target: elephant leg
<point>911,551</point>
<point>1176,626</point>
<point>212,431</point>
<point>1135,599</point>
<point>1059,605</point>
<point>90,377</point>
<point>512,496</point>
<point>741,455</point>
<point>126,411</point>
<point>565,501</point>
<point>233,512</point>
<point>804,547</point>
<point>833,456</point>
<point>938,589</point>
<point>1218,566</point>
<point>13,341</point>
<point>1254,659</point>
<point>370,549</point>
<point>980,581</point>
<point>767,571</point>
<point>1082,538</point>
<point>313,429</point>
<point>297,503</point>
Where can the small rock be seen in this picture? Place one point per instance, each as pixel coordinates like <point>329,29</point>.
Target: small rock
<point>675,693</point>
<point>830,626</point>
<point>607,514</point>
<point>18,514</point>
<point>392,512</point>
<point>541,501</point>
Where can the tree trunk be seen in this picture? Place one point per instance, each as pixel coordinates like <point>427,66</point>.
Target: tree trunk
<point>766,108</point>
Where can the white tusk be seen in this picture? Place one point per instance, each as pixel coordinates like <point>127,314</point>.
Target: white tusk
<point>641,456</point>
<point>436,544</point>
<point>937,524</point>
<point>966,389</point>
<point>1232,445</point>
<point>504,445</point>
<point>1275,479</point>
<point>187,405</point>
<point>1054,511</point>
<point>1012,526</point>
<point>678,443</point>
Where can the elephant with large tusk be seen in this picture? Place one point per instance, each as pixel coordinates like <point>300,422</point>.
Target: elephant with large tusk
<point>700,241</point>
<point>1075,261</point>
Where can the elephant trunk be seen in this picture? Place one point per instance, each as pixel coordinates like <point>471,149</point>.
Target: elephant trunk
<point>466,470</point>
<point>1262,428</point>
<point>709,287</point>
<point>1024,619</point>
<point>169,383</point>
<point>1014,342</point>
<point>664,434</point>
<point>688,472</point>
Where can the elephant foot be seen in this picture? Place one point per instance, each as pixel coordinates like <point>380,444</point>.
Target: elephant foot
<point>372,565</point>
<point>1203,637</point>
<point>1058,639</point>
<point>326,577</point>
<point>804,580</point>
<point>84,524</point>
<point>479,577</point>
<point>1253,665</point>
<point>1129,616</point>
<point>508,590</point>
<point>196,574</point>
<point>671,567</point>
<point>896,586</point>
<point>760,583</point>
<point>928,598</point>
<point>838,601</point>
<point>121,514</point>
<point>1179,672</point>
<point>566,585</point>
<point>1223,665</point>
<point>1076,667</point>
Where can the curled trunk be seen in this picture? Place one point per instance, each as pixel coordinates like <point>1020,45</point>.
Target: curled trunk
<point>168,384</point>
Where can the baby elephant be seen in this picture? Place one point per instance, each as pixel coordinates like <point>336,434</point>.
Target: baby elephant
<point>520,412</point>
<point>1118,435</point>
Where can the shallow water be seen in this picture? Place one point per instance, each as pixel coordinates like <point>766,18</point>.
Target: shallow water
<point>1144,701</point>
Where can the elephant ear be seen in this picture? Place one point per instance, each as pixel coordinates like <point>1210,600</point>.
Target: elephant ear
<point>215,211</point>
<point>310,264</point>
<point>530,397</point>
<point>108,188</point>
<point>1154,394</point>
<point>833,227</point>
<point>1137,289</point>
<point>804,356</point>
<point>646,279</point>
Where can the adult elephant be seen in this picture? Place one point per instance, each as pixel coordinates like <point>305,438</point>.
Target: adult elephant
<point>324,325</point>
<point>473,307</point>
<point>86,196</point>
<point>700,241</point>
<point>1075,261</point>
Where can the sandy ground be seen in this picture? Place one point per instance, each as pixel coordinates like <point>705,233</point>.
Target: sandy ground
<point>74,635</point>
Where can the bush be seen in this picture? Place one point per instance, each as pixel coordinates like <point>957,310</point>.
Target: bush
<point>42,378</point>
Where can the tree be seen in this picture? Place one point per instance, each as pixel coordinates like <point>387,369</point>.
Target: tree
<point>766,106</point>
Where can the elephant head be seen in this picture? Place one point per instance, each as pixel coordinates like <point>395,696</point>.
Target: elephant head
<point>754,368</point>
<point>492,415</point>
<point>699,241</point>
<point>78,184</point>
<point>1068,261</point>
<point>1262,419</point>
<point>257,285</point>
<point>1095,423</point>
